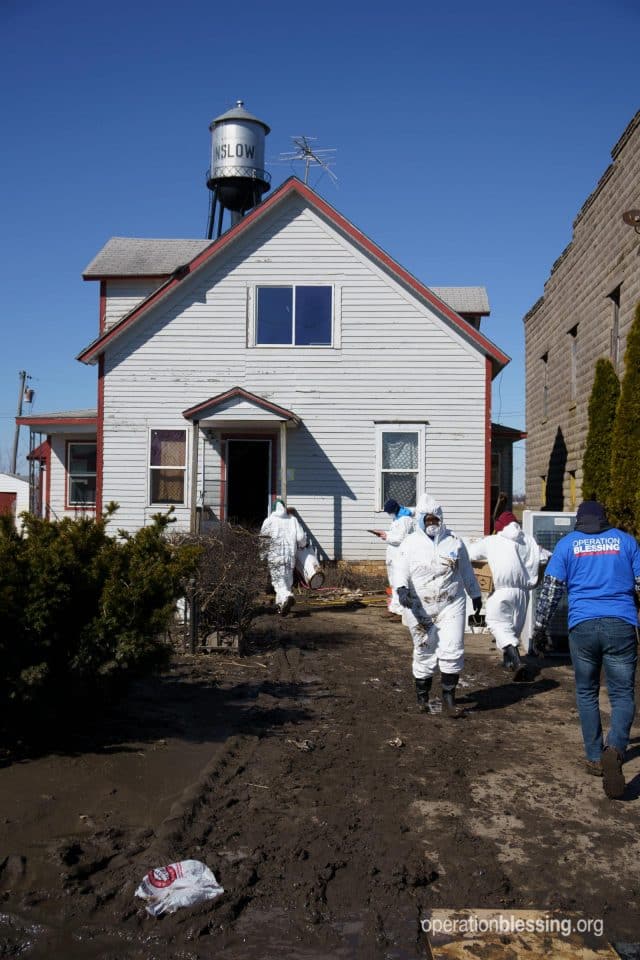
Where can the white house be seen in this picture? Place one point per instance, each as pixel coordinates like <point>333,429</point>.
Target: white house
<point>291,356</point>
<point>14,495</point>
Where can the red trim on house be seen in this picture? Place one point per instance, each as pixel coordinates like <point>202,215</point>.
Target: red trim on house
<point>487,447</point>
<point>273,437</point>
<point>502,432</point>
<point>47,507</point>
<point>100,437</point>
<point>244,394</point>
<point>125,276</point>
<point>293,185</point>
<point>42,452</point>
<point>103,306</point>
<point>58,421</point>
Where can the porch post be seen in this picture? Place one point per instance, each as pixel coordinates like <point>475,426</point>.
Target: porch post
<point>283,460</point>
<point>194,475</point>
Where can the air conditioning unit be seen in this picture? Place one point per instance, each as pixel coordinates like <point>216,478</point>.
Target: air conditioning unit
<point>547,528</point>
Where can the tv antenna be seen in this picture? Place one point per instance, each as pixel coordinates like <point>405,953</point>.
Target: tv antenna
<point>310,156</point>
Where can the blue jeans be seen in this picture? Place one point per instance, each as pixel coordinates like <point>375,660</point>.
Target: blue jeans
<point>610,643</point>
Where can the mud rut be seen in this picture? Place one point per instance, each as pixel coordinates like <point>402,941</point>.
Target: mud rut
<point>332,840</point>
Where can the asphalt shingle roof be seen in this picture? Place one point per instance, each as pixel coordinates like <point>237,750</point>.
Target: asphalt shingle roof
<point>141,257</point>
<point>464,299</point>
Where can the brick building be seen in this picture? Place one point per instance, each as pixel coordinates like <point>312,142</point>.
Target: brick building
<point>585,312</point>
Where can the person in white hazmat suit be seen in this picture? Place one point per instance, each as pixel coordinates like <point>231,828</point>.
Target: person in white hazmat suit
<point>285,535</point>
<point>514,559</point>
<point>401,526</point>
<point>434,574</point>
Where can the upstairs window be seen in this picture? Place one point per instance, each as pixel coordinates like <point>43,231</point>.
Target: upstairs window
<point>167,466</point>
<point>296,315</point>
<point>81,474</point>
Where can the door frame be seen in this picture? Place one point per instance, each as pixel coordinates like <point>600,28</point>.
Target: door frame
<point>271,439</point>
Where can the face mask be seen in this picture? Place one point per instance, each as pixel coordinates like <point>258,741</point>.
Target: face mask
<point>432,529</point>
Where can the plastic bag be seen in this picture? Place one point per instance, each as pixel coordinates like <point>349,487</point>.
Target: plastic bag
<point>178,885</point>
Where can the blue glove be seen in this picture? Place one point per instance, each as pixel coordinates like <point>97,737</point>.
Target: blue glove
<point>403,597</point>
<point>477,604</point>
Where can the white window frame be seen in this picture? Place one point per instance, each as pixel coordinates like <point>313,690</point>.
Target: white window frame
<point>75,476</point>
<point>173,429</point>
<point>382,428</point>
<point>335,314</point>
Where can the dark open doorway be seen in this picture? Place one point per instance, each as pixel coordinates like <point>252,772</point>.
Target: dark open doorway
<point>248,481</point>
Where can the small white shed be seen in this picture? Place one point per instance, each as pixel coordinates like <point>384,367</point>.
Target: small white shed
<point>14,495</point>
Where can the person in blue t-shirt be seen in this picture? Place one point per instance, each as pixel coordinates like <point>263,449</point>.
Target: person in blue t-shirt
<point>599,566</point>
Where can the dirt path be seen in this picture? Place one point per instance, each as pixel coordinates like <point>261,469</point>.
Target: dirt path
<point>331,840</point>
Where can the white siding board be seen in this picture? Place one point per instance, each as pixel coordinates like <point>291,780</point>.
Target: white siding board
<point>398,361</point>
<point>121,296</point>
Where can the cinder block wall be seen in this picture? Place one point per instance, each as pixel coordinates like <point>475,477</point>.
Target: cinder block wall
<point>603,255</point>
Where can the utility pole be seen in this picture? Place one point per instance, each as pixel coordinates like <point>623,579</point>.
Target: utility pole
<point>14,459</point>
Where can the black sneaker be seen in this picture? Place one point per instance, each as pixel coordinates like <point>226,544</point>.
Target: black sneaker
<point>612,775</point>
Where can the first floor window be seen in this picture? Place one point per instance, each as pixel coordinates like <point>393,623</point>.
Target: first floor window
<point>399,459</point>
<point>81,474</point>
<point>297,315</point>
<point>167,466</point>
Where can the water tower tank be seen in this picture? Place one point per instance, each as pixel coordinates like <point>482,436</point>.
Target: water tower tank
<point>237,174</point>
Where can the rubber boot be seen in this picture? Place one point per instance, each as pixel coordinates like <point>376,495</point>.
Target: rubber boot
<point>423,689</point>
<point>449,684</point>
<point>511,661</point>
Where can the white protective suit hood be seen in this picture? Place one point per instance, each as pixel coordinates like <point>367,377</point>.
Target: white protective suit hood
<point>279,509</point>
<point>427,505</point>
<point>512,531</point>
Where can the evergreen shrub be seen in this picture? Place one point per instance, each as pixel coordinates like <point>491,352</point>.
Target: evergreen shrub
<point>603,402</point>
<point>82,610</point>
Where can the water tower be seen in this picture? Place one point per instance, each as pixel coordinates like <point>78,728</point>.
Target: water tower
<point>237,178</point>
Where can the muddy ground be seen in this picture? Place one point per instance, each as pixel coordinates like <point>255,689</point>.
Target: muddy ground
<point>328,849</point>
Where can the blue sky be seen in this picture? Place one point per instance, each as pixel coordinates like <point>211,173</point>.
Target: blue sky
<point>468,136</point>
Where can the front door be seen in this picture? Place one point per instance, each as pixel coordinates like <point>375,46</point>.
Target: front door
<point>248,481</point>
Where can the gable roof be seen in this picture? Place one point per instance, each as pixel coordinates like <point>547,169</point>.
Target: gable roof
<point>290,187</point>
<point>207,407</point>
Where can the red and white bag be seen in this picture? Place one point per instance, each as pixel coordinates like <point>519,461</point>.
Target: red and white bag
<point>182,884</point>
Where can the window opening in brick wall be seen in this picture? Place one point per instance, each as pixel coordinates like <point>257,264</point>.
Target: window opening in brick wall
<point>572,490</point>
<point>573,377</point>
<point>545,385</point>
<point>614,297</point>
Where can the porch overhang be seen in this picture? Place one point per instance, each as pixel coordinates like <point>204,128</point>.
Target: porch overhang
<point>238,408</point>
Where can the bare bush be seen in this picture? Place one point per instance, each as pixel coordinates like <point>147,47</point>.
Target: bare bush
<point>229,581</point>
<point>368,577</point>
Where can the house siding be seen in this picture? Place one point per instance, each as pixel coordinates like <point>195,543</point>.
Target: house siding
<point>397,361</point>
<point>121,296</point>
<point>602,256</point>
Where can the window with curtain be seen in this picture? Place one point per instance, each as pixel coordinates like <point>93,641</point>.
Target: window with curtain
<point>167,466</point>
<point>399,459</point>
<point>81,474</point>
<point>296,315</point>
